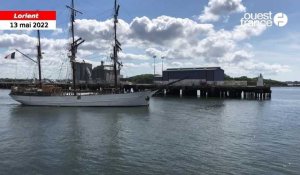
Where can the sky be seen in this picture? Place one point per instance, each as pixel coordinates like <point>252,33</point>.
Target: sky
<point>190,33</point>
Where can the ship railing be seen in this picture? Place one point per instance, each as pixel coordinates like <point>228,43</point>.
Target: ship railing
<point>67,92</point>
<point>56,91</point>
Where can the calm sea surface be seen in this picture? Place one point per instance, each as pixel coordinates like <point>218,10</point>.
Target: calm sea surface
<point>172,136</point>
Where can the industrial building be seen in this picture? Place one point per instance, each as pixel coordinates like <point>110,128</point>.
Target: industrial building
<point>104,74</point>
<point>192,76</point>
<point>83,72</point>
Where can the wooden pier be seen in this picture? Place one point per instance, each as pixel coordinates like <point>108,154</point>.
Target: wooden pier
<point>237,92</point>
<point>205,91</point>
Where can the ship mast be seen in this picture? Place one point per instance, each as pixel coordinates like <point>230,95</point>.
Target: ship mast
<point>117,45</point>
<point>74,44</point>
<point>39,57</point>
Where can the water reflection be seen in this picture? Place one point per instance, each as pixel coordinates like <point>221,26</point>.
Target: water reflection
<point>71,137</point>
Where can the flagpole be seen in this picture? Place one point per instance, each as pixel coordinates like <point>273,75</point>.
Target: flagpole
<point>26,55</point>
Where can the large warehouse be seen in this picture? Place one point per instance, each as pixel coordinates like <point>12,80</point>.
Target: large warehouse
<point>193,76</point>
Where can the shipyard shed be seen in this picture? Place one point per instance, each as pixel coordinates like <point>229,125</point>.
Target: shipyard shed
<point>193,76</point>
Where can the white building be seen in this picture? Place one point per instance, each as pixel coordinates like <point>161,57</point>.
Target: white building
<point>260,81</point>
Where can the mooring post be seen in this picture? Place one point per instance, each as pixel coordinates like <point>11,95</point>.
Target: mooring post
<point>266,96</point>
<point>260,96</point>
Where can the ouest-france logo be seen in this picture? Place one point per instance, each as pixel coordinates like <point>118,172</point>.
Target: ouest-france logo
<point>268,19</point>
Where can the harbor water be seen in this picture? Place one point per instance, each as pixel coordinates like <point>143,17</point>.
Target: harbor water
<point>172,136</point>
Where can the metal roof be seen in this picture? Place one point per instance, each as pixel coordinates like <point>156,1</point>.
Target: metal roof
<point>193,68</point>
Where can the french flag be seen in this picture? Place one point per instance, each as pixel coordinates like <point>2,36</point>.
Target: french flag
<point>10,56</point>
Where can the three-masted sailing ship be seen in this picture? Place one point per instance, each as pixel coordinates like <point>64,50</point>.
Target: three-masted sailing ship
<point>47,95</point>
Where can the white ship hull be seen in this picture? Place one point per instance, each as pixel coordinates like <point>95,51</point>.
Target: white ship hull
<point>105,100</point>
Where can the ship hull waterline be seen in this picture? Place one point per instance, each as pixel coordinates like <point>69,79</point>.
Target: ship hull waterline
<point>103,100</point>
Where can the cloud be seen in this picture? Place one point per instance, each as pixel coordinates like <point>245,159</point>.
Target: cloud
<point>155,52</point>
<point>90,29</point>
<point>269,69</point>
<point>129,56</point>
<point>242,32</point>
<point>15,40</point>
<point>57,31</point>
<point>182,41</point>
<point>216,8</point>
<point>240,56</point>
<point>165,29</point>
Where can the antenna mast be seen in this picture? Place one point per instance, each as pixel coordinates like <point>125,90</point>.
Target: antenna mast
<point>74,44</point>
